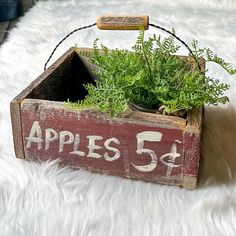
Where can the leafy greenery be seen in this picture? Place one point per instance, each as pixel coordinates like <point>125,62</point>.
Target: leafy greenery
<point>152,76</point>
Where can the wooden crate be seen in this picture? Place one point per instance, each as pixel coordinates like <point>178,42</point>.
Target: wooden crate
<point>138,145</point>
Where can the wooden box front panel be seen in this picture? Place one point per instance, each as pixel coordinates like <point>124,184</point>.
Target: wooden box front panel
<point>126,146</point>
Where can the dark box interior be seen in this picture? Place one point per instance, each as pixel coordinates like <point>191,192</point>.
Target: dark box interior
<point>66,81</point>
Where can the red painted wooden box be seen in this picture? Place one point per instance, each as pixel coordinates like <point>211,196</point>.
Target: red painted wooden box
<point>138,145</point>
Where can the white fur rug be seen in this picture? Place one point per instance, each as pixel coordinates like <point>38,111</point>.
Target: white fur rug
<point>43,199</point>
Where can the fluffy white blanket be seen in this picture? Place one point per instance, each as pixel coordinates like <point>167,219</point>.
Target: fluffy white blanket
<point>43,199</point>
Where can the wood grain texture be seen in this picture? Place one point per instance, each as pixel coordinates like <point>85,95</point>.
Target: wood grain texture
<point>192,137</point>
<point>16,128</point>
<point>123,22</point>
<point>169,122</point>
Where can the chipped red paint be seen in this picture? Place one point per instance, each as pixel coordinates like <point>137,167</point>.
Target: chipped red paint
<point>191,153</point>
<point>86,124</point>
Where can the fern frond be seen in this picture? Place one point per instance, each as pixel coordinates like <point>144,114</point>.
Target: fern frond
<point>220,61</point>
<point>151,76</point>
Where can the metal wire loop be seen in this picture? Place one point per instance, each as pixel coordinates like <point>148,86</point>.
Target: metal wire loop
<point>68,35</point>
<point>153,25</point>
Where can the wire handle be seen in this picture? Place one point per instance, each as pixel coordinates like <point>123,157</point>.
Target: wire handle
<point>112,22</point>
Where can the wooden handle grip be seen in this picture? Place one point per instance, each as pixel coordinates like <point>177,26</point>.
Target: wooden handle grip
<point>122,22</point>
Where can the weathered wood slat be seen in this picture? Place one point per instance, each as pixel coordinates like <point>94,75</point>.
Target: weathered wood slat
<point>17,129</point>
<point>169,122</point>
<point>192,138</point>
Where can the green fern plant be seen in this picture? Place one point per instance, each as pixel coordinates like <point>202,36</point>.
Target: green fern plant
<point>153,77</point>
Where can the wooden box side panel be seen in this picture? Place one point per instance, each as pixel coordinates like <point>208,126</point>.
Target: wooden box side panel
<point>124,147</point>
<point>17,129</point>
<point>192,137</point>
<point>191,159</point>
